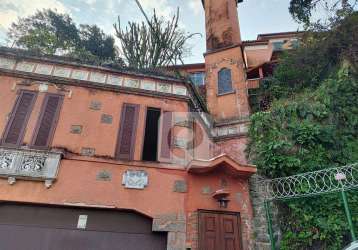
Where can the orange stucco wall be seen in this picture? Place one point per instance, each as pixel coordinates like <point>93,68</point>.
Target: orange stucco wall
<point>222,23</point>
<point>77,182</point>
<point>75,111</point>
<point>231,105</point>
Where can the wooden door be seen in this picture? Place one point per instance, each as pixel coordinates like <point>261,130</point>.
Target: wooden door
<point>219,231</point>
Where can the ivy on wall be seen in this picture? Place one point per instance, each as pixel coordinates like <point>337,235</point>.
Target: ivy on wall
<point>311,125</point>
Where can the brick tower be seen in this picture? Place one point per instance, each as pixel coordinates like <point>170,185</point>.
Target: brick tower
<point>226,80</point>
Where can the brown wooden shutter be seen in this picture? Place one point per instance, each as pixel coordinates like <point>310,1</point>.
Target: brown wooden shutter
<point>127,132</point>
<point>15,129</point>
<point>48,118</point>
<point>166,136</point>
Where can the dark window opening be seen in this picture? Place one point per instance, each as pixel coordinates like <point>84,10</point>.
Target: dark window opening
<point>150,146</point>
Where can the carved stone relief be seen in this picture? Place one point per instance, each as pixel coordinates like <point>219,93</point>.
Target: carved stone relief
<point>135,179</point>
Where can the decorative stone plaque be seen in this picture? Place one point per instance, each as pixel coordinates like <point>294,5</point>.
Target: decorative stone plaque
<point>135,179</point>
<point>164,87</point>
<point>62,72</point>
<point>44,69</point>
<point>7,63</point>
<point>97,77</point>
<point>76,129</point>
<point>114,80</point>
<point>95,105</point>
<point>104,176</point>
<point>148,85</point>
<point>82,221</point>
<point>131,83</point>
<point>79,74</point>
<point>179,90</point>
<point>180,186</point>
<point>25,66</point>
<point>107,119</point>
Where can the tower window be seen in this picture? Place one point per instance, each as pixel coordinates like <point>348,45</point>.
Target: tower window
<point>224,81</point>
<point>150,146</point>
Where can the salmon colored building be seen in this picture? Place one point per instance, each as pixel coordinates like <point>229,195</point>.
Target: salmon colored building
<point>101,158</point>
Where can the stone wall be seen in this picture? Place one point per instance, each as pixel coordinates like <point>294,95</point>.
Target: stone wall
<point>261,235</point>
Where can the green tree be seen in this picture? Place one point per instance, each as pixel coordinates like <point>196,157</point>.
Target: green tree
<point>46,31</point>
<point>302,10</point>
<point>154,44</point>
<point>94,40</point>
<point>49,32</point>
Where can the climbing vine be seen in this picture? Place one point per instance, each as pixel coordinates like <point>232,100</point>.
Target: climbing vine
<point>311,125</point>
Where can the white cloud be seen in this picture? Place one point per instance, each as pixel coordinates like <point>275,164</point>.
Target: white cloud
<point>11,10</point>
<point>162,7</point>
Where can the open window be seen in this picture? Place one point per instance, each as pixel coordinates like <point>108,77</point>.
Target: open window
<point>150,145</point>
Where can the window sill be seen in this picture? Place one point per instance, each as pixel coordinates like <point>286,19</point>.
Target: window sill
<point>226,93</point>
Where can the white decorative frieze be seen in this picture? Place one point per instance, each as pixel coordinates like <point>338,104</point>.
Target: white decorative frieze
<point>148,85</point>
<point>222,131</point>
<point>135,179</point>
<point>131,83</point>
<point>25,66</point>
<point>79,74</point>
<point>179,90</point>
<point>62,72</point>
<point>85,74</point>
<point>164,87</point>
<point>114,80</point>
<point>232,130</point>
<point>244,128</point>
<point>43,69</point>
<point>7,63</point>
<point>98,77</point>
<point>26,164</point>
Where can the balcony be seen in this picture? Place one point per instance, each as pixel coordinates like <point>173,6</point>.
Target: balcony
<point>28,164</point>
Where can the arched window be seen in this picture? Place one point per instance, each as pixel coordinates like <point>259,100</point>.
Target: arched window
<point>224,81</point>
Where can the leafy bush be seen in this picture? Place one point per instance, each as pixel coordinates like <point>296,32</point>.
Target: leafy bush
<point>312,124</point>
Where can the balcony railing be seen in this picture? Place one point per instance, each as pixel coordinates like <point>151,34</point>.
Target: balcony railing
<point>29,165</point>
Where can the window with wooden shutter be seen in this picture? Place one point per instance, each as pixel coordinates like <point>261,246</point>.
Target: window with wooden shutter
<point>224,81</point>
<point>166,136</point>
<point>15,129</point>
<point>47,121</point>
<point>127,132</point>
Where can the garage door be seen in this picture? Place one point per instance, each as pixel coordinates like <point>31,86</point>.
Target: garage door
<point>31,227</point>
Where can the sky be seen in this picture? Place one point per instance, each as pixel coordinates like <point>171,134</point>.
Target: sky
<point>256,16</point>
